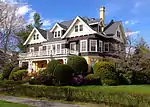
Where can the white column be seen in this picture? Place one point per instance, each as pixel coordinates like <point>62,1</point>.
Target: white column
<point>30,66</point>
<point>20,63</point>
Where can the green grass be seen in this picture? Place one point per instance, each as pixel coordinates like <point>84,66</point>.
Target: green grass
<point>136,89</point>
<point>9,104</point>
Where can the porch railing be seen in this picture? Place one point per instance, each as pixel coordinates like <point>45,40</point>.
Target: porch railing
<point>51,53</point>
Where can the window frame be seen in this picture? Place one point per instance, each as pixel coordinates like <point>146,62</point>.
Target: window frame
<point>81,27</point>
<point>100,48</point>
<point>57,49</point>
<point>105,46</point>
<point>58,34</point>
<point>34,37</point>
<point>73,51</point>
<point>118,34</point>
<point>76,28</point>
<point>81,41</point>
<point>37,36</point>
<point>91,40</point>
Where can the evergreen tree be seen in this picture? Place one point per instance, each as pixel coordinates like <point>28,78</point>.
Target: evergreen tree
<point>37,20</point>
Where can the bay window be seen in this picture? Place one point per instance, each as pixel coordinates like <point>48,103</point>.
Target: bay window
<point>106,46</point>
<point>83,45</point>
<point>73,47</point>
<point>93,45</point>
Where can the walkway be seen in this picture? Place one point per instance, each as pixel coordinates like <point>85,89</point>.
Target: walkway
<point>36,103</point>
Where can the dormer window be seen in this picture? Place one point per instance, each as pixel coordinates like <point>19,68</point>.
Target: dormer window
<point>81,27</point>
<point>37,36</point>
<point>76,28</point>
<point>58,33</point>
<point>118,34</point>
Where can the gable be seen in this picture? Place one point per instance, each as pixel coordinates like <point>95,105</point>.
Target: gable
<point>122,34</point>
<point>56,28</point>
<point>31,40</point>
<point>77,22</point>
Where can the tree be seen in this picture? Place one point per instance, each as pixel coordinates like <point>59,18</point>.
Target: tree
<point>23,35</point>
<point>37,20</point>
<point>10,23</point>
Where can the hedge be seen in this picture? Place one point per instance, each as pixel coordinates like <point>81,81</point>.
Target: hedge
<point>79,94</point>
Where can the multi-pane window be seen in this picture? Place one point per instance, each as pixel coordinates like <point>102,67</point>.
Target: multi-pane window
<point>44,48</point>
<point>100,46</point>
<point>37,36</point>
<point>36,48</point>
<point>58,33</point>
<point>83,45</point>
<point>55,34</point>
<point>93,45</point>
<point>76,28</point>
<point>58,48</point>
<point>34,37</point>
<point>73,47</point>
<point>81,27</point>
<point>106,47</point>
<point>118,34</point>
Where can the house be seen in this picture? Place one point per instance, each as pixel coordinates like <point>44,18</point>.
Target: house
<point>82,36</point>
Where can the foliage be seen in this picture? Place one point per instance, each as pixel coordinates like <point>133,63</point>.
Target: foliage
<point>63,74</point>
<point>52,65</point>
<point>19,75</point>
<point>15,69</point>
<point>37,20</point>
<point>1,76</point>
<point>7,70</point>
<point>116,96</point>
<point>101,67</point>
<point>92,79</point>
<point>78,80</point>
<point>78,64</point>
<point>109,82</point>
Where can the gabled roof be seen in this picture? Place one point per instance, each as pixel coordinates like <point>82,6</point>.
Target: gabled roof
<point>111,28</point>
<point>74,21</point>
<point>43,33</point>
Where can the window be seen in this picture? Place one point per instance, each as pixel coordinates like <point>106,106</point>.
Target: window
<point>76,28</point>
<point>36,48</point>
<point>58,33</point>
<point>83,45</point>
<point>118,34</point>
<point>100,46</point>
<point>55,34</point>
<point>81,27</point>
<point>58,48</point>
<point>34,37</point>
<point>73,47</point>
<point>44,47</point>
<point>106,46</point>
<point>93,45</point>
<point>37,36</point>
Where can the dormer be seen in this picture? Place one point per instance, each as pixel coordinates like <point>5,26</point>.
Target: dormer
<point>57,30</point>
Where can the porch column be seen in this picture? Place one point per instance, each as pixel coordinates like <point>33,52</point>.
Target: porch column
<point>30,66</point>
<point>20,63</point>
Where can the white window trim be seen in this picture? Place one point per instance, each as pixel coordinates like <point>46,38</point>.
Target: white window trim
<point>81,45</point>
<point>101,42</point>
<point>57,34</point>
<point>95,45</point>
<point>31,49</point>
<point>72,52</point>
<point>108,46</point>
<point>56,48</point>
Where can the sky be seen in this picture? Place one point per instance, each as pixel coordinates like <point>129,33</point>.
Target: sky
<point>134,14</point>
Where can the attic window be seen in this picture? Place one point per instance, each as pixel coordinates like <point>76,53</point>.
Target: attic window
<point>58,33</point>
<point>76,28</point>
<point>118,34</point>
<point>34,37</point>
<point>81,27</point>
<point>37,36</point>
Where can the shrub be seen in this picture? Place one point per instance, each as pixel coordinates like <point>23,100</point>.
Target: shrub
<point>109,82</point>
<point>1,76</point>
<point>7,70</point>
<point>92,79</point>
<point>12,72</point>
<point>63,74</point>
<point>78,64</point>
<point>52,65</point>
<point>19,75</point>
<point>82,94</point>
<point>100,67</point>
<point>78,80</point>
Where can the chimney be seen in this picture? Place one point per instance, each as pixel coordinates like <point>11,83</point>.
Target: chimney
<point>102,13</point>
<point>102,17</point>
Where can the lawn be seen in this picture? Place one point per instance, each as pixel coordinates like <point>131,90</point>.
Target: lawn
<point>136,89</point>
<point>9,104</point>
